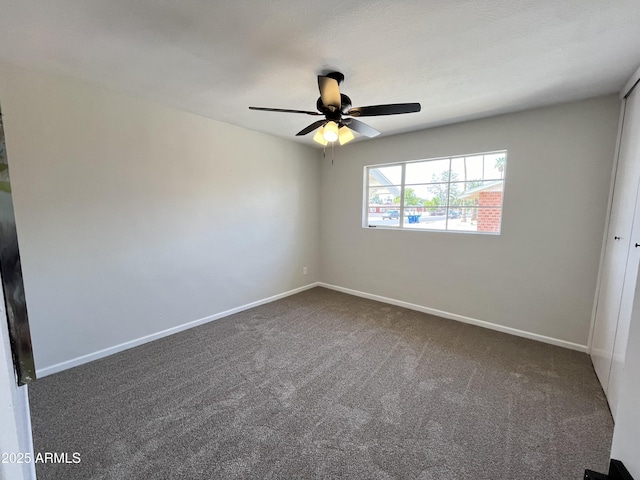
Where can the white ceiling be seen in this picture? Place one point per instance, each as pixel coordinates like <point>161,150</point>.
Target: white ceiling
<point>459,59</point>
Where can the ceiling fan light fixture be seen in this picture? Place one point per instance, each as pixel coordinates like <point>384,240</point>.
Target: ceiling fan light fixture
<point>330,133</point>
<point>319,137</point>
<point>333,105</point>
<point>345,135</point>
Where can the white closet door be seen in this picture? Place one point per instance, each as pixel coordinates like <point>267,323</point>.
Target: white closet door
<point>630,151</point>
<point>617,245</point>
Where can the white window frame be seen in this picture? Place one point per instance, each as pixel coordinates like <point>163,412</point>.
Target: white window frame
<point>401,208</point>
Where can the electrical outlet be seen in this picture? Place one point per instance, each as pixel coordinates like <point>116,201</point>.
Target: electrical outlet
<point>304,270</point>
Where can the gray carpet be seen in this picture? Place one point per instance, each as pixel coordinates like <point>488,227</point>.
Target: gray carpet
<point>327,385</point>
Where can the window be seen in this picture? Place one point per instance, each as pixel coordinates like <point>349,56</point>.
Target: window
<point>461,193</point>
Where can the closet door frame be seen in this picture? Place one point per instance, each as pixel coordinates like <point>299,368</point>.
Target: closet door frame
<point>611,316</point>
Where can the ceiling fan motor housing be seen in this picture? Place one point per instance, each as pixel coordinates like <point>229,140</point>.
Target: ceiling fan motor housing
<point>337,76</point>
<point>337,113</point>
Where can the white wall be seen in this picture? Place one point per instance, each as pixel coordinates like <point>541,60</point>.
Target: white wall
<point>15,421</point>
<point>626,441</point>
<point>134,218</point>
<point>539,275</point>
<point>626,438</point>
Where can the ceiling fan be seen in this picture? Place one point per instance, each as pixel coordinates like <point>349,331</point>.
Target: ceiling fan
<point>335,106</point>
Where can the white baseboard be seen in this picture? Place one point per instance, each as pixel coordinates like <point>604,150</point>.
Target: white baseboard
<point>58,367</point>
<point>460,318</point>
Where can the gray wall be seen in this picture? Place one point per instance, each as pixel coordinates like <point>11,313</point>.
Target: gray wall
<point>539,275</point>
<point>134,218</point>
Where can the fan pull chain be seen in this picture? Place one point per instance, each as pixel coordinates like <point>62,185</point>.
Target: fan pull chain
<point>332,153</point>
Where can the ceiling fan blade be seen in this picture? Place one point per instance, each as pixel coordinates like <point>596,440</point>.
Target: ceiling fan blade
<point>391,109</point>
<point>285,110</point>
<point>362,128</point>
<point>329,92</point>
<point>311,127</point>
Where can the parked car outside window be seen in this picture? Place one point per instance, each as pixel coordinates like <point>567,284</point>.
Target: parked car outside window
<point>391,214</point>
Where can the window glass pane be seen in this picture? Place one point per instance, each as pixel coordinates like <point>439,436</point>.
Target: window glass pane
<point>495,165</point>
<point>429,195</point>
<point>489,219</point>
<point>467,168</point>
<point>426,195</point>
<point>468,194</point>
<point>458,194</point>
<point>430,218</point>
<point>384,195</point>
<point>427,172</point>
<point>391,175</point>
<point>455,192</point>
<point>434,213</point>
<point>384,216</point>
<point>490,195</point>
<point>463,219</point>
<point>415,195</point>
<point>412,216</point>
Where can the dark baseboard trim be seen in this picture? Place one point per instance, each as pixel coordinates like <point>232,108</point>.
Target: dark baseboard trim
<point>617,471</point>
